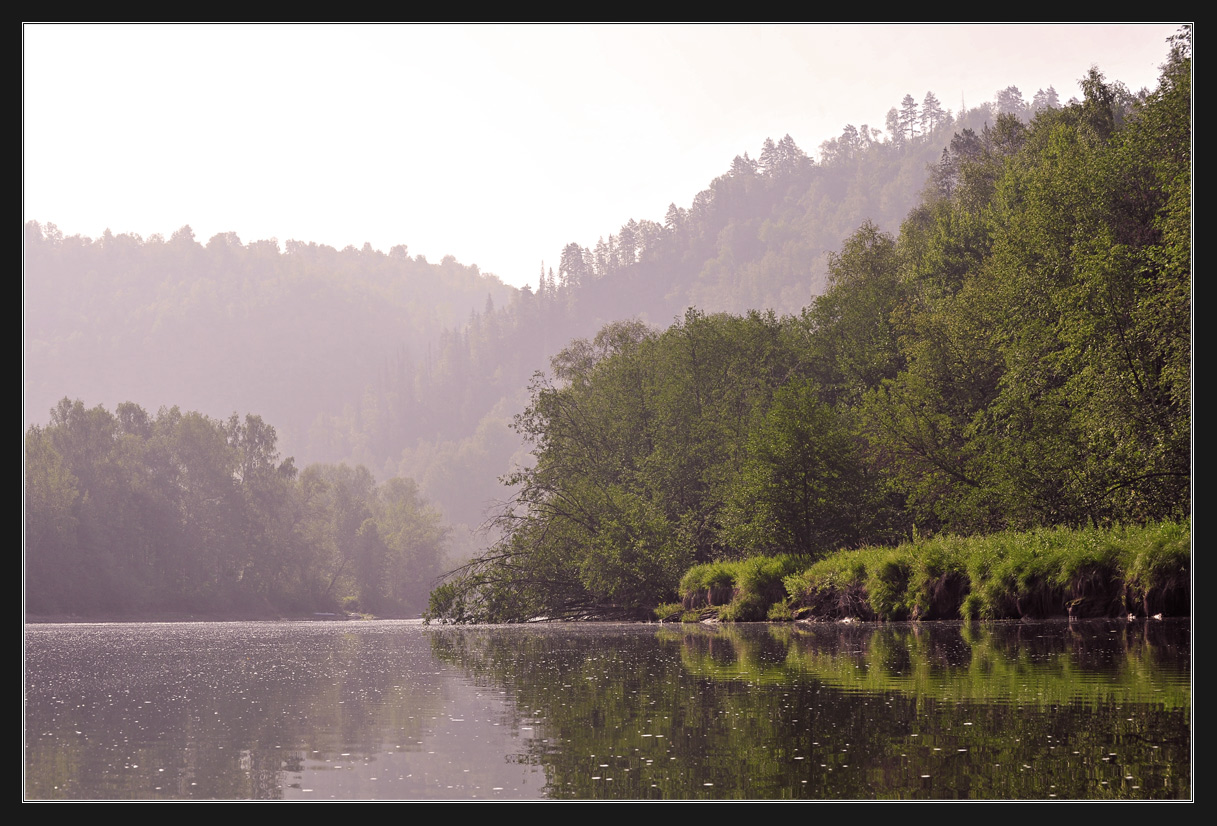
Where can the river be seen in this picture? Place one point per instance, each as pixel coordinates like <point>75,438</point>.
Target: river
<point>395,710</point>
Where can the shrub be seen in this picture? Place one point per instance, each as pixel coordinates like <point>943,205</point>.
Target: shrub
<point>669,611</point>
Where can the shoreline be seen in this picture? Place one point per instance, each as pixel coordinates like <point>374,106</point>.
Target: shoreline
<point>177,616</point>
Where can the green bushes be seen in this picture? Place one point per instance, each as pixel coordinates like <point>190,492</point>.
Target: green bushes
<point>1035,574</point>
<point>1157,575</point>
<point>708,584</point>
<point>746,589</point>
<point>834,587</point>
<point>669,611</point>
<point>1053,573</point>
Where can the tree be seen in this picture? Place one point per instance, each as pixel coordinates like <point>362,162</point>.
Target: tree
<point>854,344</point>
<point>790,160</point>
<point>650,237</point>
<point>51,551</point>
<point>627,245</point>
<point>768,161</point>
<point>605,256</point>
<point>573,270</point>
<point>931,113</point>
<point>335,504</point>
<point>1045,99</point>
<point>414,539</point>
<point>743,167</point>
<point>908,119</point>
<point>1010,101</point>
<point>803,488</point>
<point>894,126</point>
<point>674,220</point>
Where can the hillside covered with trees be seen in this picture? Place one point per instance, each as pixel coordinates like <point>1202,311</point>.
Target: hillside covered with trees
<point>414,368</point>
<point>759,237</point>
<point>1017,356</point>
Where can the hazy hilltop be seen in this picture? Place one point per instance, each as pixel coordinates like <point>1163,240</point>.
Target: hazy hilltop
<point>759,237</point>
<point>290,332</point>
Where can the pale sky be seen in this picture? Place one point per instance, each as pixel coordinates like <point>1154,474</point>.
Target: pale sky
<point>495,144</point>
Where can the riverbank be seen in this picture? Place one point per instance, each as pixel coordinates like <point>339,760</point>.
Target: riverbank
<point>1059,572</point>
<point>181,616</point>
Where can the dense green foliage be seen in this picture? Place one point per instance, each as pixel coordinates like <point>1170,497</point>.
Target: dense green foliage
<point>648,461</point>
<point>1018,357</point>
<point>1044,324</point>
<point>1008,575</point>
<point>746,589</point>
<point>128,513</point>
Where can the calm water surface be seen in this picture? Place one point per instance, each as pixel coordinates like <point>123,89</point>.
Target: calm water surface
<point>397,710</point>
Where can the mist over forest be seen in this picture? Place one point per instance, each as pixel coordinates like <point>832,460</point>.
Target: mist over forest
<point>981,318</point>
<point>407,366</point>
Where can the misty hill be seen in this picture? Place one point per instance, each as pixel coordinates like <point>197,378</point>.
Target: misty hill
<point>226,326</point>
<point>417,369</point>
<point>759,237</point>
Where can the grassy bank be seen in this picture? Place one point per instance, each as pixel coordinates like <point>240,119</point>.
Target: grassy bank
<point>1037,574</point>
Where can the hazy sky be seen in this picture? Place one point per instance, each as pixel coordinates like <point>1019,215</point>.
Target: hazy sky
<point>496,144</point>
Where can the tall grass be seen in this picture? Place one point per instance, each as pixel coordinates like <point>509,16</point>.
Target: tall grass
<point>1035,574</point>
<point>746,589</point>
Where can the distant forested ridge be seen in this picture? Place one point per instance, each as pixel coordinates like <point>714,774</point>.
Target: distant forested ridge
<point>1017,356</point>
<point>292,332</point>
<point>129,514</point>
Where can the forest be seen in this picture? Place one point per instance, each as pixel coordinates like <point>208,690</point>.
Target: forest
<point>1017,357</point>
<point>1002,341</point>
<point>178,514</point>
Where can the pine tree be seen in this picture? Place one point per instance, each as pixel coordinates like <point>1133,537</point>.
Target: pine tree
<point>908,117</point>
<point>931,113</point>
<point>1045,99</point>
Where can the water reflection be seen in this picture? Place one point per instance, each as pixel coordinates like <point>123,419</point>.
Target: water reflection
<point>396,710</point>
